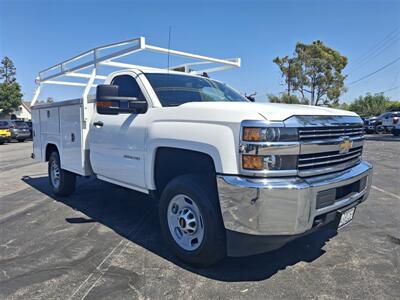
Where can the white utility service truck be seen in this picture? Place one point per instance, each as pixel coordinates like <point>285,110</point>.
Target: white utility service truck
<point>232,177</point>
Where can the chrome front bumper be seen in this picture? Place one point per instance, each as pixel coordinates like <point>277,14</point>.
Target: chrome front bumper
<point>284,206</point>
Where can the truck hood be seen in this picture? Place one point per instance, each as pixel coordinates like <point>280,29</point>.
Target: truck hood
<point>269,111</point>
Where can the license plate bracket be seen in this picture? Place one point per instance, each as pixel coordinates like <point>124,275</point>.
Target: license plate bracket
<point>346,216</point>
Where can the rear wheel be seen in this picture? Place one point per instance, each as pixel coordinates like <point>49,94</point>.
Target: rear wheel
<point>62,181</point>
<point>21,140</point>
<point>191,221</point>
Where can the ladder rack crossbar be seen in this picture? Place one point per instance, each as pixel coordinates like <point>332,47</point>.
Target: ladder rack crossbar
<point>139,44</point>
<point>95,58</point>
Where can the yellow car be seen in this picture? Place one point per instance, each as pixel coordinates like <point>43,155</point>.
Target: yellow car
<point>5,135</point>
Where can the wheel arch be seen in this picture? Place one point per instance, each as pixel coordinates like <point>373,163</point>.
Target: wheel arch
<point>50,147</point>
<point>170,162</point>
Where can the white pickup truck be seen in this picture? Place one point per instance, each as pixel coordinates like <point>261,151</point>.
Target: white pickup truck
<point>232,177</point>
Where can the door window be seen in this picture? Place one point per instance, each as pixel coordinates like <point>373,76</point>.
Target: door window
<point>128,87</point>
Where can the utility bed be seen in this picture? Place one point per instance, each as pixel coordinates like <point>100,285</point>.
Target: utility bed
<point>61,123</point>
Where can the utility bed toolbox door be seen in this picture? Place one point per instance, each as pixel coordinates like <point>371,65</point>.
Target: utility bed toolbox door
<point>37,142</point>
<point>71,138</point>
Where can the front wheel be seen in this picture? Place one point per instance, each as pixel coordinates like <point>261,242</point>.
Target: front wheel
<point>191,221</point>
<point>380,129</point>
<point>62,181</point>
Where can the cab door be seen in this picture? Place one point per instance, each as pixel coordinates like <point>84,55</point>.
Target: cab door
<point>117,141</point>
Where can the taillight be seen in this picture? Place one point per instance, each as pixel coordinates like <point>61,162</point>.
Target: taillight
<point>395,120</point>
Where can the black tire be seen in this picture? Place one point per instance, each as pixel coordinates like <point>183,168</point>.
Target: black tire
<point>202,190</point>
<point>380,129</point>
<point>67,179</point>
<point>21,140</point>
<point>1,142</point>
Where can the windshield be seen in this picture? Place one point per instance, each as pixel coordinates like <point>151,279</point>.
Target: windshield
<point>174,89</point>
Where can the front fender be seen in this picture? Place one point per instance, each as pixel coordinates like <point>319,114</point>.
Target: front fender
<point>216,140</point>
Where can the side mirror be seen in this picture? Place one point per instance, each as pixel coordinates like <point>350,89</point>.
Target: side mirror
<point>251,97</point>
<point>108,102</point>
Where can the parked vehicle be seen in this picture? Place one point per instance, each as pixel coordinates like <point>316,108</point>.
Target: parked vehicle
<point>373,125</point>
<point>232,177</point>
<point>396,129</point>
<point>389,120</point>
<point>382,124</point>
<point>5,134</point>
<point>29,123</point>
<point>19,130</point>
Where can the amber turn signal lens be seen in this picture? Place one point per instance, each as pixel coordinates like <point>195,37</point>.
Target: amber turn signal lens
<point>252,162</point>
<point>104,103</point>
<point>251,134</point>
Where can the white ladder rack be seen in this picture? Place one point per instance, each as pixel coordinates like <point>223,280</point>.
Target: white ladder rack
<point>95,58</point>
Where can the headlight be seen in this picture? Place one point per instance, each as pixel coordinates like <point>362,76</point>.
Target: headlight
<point>269,134</point>
<point>269,162</point>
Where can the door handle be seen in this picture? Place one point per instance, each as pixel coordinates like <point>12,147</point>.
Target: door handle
<point>98,124</point>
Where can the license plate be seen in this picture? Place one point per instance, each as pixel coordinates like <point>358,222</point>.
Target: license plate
<point>346,217</point>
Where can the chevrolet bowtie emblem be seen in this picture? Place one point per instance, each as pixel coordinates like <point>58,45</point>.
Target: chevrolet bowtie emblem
<point>346,145</point>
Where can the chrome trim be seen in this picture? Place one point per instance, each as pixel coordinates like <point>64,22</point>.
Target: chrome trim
<point>279,148</point>
<point>269,173</point>
<point>313,147</point>
<point>359,150</point>
<point>320,121</point>
<point>286,206</point>
<point>260,123</point>
<point>353,133</point>
<point>300,165</point>
<point>330,169</point>
<point>357,128</point>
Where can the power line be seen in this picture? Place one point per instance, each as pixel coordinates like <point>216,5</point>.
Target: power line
<point>377,44</point>
<point>376,48</point>
<point>374,54</point>
<point>376,71</point>
<point>391,89</point>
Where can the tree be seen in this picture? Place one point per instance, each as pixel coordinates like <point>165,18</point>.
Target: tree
<point>10,97</point>
<point>284,98</point>
<point>10,90</point>
<point>370,105</point>
<point>393,106</point>
<point>315,72</point>
<point>288,70</point>
<point>7,70</point>
<point>50,100</point>
<point>343,106</point>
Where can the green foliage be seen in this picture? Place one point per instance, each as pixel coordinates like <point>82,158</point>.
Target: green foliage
<point>343,106</point>
<point>393,106</point>
<point>7,70</point>
<point>370,105</point>
<point>50,100</point>
<point>315,72</point>
<point>285,98</point>
<point>10,97</point>
<point>10,90</point>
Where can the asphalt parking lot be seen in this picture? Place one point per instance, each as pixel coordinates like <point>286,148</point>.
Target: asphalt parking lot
<point>105,242</point>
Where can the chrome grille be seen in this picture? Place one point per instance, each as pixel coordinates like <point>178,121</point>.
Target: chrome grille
<point>325,162</point>
<point>329,132</point>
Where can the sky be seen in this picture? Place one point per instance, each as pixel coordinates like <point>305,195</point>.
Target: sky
<point>37,34</point>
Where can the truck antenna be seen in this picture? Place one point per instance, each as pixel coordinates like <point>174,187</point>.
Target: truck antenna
<point>169,46</point>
